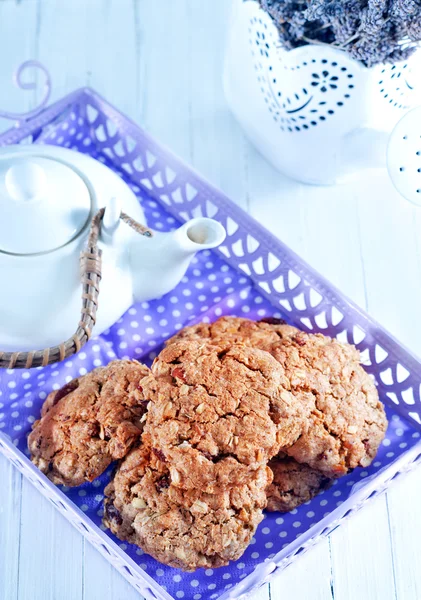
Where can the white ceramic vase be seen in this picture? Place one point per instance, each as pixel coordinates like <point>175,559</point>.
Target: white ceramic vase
<point>315,113</point>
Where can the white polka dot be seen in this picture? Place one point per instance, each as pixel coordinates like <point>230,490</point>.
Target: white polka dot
<point>176,313</point>
<point>230,303</point>
<point>84,507</point>
<point>194,583</point>
<point>228,575</point>
<point>245,309</point>
<point>159,572</point>
<point>297,523</point>
<point>279,521</point>
<point>265,530</point>
<point>123,546</point>
<point>96,483</point>
<point>31,419</point>
<point>261,312</point>
<point>139,552</point>
<point>350,483</point>
<point>97,362</point>
<point>255,555</point>
<point>17,427</point>
<point>268,545</point>
<point>197,596</point>
<point>150,330</point>
<point>218,311</point>
<point>337,493</point>
<point>42,395</point>
<point>180,594</point>
<point>11,384</point>
<point>95,348</point>
<point>209,572</point>
<point>403,445</point>
<point>82,355</point>
<point>258,300</point>
<point>82,493</point>
<point>145,305</point>
<point>100,513</point>
<point>122,345</point>
<point>386,442</point>
<point>14,414</point>
<point>283,534</point>
<point>399,431</point>
<point>310,514</point>
<point>134,324</point>
<point>377,464</point>
<point>186,292</point>
<point>416,435</point>
<point>147,318</point>
<point>389,455</point>
<point>132,311</point>
<point>189,305</point>
<point>362,474</point>
<point>121,332</point>
<point>323,502</point>
<point>163,322</point>
<point>211,586</point>
<point>67,364</point>
<point>177,578</point>
<point>25,375</point>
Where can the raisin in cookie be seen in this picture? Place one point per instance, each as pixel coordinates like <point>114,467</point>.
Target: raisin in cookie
<point>88,423</point>
<point>345,420</point>
<point>217,410</point>
<point>186,529</point>
<point>293,484</point>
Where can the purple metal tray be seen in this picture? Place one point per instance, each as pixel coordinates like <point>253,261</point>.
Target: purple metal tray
<point>252,275</point>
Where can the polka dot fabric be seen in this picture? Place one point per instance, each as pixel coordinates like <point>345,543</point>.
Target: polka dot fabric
<point>210,289</point>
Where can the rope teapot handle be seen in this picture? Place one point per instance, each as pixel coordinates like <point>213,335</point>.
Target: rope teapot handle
<point>90,273</point>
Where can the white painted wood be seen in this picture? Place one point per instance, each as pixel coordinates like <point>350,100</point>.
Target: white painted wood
<point>308,578</point>
<point>361,552</point>
<point>161,63</point>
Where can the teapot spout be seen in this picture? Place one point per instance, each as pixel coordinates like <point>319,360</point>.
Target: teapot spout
<point>199,234</point>
<point>159,263</point>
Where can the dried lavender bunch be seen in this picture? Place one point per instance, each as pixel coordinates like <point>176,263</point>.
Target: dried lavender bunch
<point>372,31</point>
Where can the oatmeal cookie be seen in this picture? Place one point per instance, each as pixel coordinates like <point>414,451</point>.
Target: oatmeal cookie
<point>262,334</point>
<point>89,422</point>
<point>293,484</point>
<point>186,529</point>
<point>217,410</point>
<point>345,421</point>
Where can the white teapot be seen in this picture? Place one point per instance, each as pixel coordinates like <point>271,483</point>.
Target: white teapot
<point>56,204</point>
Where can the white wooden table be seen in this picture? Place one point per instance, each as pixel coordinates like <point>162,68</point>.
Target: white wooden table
<point>160,61</point>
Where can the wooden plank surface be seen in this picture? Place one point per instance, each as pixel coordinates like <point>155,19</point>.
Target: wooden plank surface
<point>161,63</point>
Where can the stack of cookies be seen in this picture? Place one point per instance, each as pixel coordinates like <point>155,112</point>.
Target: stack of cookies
<point>234,417</point>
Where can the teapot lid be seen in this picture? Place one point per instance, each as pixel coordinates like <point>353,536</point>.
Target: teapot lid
<point>44,203</point>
